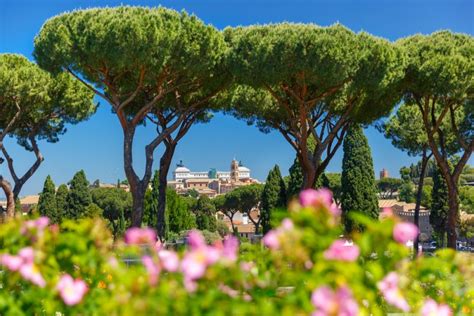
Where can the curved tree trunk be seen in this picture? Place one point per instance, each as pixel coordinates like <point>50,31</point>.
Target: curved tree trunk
<point>7,189</point>
<point>136,185</point>
<point>165,163</point>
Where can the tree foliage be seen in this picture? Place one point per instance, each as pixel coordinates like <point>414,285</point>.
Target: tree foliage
<point>388,186</point>
<point>179,217</point>
<point>79,197</point>
<point>273,197</point>
<point>116,206</point>
<point>47,205</point>
<point>358,180</point>
<point>309,81</point>
<point>150,64</point>
<point>438,82</point>
<point>35,106</point>
<point>61,199</point>
<point>205,212</point>
<point>439,205</point>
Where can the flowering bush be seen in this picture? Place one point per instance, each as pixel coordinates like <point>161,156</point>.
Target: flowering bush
<point>304,267</point>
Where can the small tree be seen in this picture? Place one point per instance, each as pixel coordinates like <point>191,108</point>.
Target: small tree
<point>205,212</point>
<point>179,217</point>
<point>228,205</point>
<point>295,180</point>
<point>47,205</point>
<point>151,202</point>
<point>79,197</point>
<point>358,179</point>
<point>116,205</point>
<point>273,197</point>
<point>61,200</point>
<point>332,181</point>
<point>407,192</point>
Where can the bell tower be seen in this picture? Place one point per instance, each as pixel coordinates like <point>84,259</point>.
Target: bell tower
<point>234,170</point>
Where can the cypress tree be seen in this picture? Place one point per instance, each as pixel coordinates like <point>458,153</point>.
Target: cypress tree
<point>295,180</point>
<point>439,206</point>
<point>47,201</point>
<point>151,202</point>
<point>273,196</point>
<point>61,200</point>
<point>79,197</point>
<point>358,190</point>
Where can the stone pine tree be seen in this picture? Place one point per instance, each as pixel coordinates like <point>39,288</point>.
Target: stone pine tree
<point>61,200</point>
<point>47,205</point>
<point>152,65</point>
<point>79,197</point>
<point>359,193</point>
<point>35,106</point>
<point>306,81</point>
<point>439,206</point>
<point>439,83</point>
<point>273,197</point>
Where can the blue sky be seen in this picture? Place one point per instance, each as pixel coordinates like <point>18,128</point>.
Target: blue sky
<point>96,145</point>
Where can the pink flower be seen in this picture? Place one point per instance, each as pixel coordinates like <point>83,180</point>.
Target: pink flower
<point>431,308</point>
<point>137,236</point>
<point>29,271</point>
<point>39,224</point>
<point>194,264</point>
<point>271,239</point>
<point>169,260</point>
<point>71,291</point>
<point>389,288</point>
<point>319,198</point>
<point>231,248</point>
<point>287,224</point>
<point>13,263</point>
<point>404,232</point>
<point>340,251</point>
<point>152,268</point>
<point>196,240</point>
<point>328,302</point>
<point>26,254</point>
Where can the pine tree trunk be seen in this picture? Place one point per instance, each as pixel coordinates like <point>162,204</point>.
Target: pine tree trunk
<point>136,187</point>
<point>165,163</point>
<point>452,215</point>
<point>7,189</point>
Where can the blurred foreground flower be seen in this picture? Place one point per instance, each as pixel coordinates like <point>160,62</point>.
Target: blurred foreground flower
<point>404,232</point>
<point>137,236</point>
<point>334,303</point>
<point>431,308</point>
<point>71,291</point>
<point>340,251</point>
<point>392,293</point>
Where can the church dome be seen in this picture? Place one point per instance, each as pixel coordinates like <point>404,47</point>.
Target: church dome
<point>244,169</point>
<point>182,170</point>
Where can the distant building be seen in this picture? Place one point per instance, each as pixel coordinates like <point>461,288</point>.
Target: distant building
<point>210,183</point>
<point>384,173</point>
<point>28,203</point>
<point>406,212</point>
